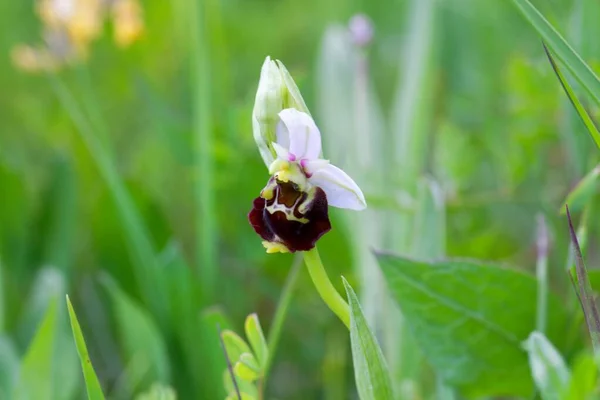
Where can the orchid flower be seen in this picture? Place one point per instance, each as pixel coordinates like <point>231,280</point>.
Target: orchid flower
<point>291,212</point>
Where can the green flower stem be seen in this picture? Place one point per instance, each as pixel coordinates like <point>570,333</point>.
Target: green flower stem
<point>281,312</point>
<point>330,296</point>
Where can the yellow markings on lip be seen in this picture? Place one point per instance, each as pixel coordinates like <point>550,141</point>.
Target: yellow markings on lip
<point>275,247</point>
<point>278,165</point>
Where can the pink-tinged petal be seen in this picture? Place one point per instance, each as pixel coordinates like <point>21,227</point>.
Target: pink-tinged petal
<point>304,136</point>
<point>311,166</point>
<point>341,190</point>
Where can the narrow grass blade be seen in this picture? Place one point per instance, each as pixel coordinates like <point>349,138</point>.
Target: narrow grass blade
<point>92,384</point>
<point>143,345</point>
<point>565,53</point>
<point>139,244</point>
<point>62,201</point>
<point>581,111</point>
<point>370,370</point>
<point>203,145</point>
<point>583,192</point>
<point>2,294</point>
<point>586,296</point>
<point>542,274</point>
<point>35,379</point>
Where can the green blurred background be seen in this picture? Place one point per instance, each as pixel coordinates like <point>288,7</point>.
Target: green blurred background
<point>142,217</point>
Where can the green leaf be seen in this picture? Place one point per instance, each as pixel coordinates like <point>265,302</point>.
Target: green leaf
<point>244,385</point>
<point>142,342</point>
<point>94,390</point>
<point>246,370</point>
<point>470,320</point>
<point>583,378</point>
<point>583,192</point>
<point>370,370</point>
<point>249,360</point>
<point>581,111</point>
<point>235,345</point>
<point>564,52</point>
<point>9,367</point>
<point>35,379</point>
<point>158,392</point>
<point>548,368</point>
<point>257,340</point>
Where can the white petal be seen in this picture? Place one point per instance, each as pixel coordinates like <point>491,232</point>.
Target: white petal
<point>312,166</point>
<point>283,135</point>
<point>281,151</point>
<point>340,189</point>
<point>304,136</point>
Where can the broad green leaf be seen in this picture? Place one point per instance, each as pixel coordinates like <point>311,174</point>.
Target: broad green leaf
<point>470,320</point>
<point>583,378</point>
<point>564,52</point>
<point>9,367</point>
<point>583,192</point>
<point>581,111</point>
<point>549,371</point>
<point>370,370</point>
<point>143,345</point>
<point>257,340</point>
<point>94,390</point>
<point>35,378</point>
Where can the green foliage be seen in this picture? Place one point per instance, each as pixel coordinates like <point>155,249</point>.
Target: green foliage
<point>158,392</point>
<point>248,361</point>
<point>9,366</point>
<point>35,377</point>
<point>257,340</point>
<point>370,370</point>
<point>470,319</point>
<point>559,46</point>
<point>584,378</point>
<point>142,343</point>
<point>581,111</point>
<point>583,192</point>
<point>548,368</point>
<point>94,390</point>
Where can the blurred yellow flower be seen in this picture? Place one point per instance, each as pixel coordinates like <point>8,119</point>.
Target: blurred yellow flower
<point>128,22</point>
<point>70,26</point>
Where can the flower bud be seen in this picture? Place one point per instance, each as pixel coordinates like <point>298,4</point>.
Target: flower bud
<point>276,91</point>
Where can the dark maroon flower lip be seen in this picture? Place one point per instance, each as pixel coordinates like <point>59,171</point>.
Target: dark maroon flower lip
<point>288,219</point>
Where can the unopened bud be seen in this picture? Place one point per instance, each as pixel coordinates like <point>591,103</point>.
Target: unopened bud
<point>276,91</point>
<point>361,30</point>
